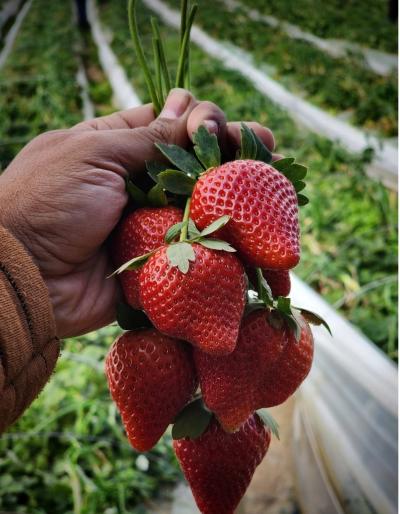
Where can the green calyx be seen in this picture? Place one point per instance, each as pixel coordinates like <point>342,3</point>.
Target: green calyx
<point>192,421</point>
<point>282,313</point>
<point>295,173</point>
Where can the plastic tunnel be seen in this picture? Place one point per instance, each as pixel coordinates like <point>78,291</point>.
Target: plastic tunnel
<point>345,422</point>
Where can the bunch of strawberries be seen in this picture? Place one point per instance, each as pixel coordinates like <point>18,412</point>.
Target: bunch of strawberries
<point>213,339</point>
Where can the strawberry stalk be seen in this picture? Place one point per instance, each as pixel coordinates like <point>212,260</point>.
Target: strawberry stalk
<point>140,55</point>
<point>185,221</point>
<point>160,59</point>
<point>182,72</point>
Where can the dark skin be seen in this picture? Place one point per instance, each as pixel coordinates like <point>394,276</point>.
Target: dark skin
<point>65,191</point>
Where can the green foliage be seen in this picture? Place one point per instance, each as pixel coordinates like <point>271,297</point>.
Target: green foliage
<point>340,86</point>
<point>192,421</point>
<point>69,454</point>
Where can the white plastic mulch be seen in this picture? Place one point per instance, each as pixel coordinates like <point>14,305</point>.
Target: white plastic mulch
<point>12,33</point>
<point>382,63</point>
<point>384,166</point>
<point>9,9</point>
<point>125,96</point>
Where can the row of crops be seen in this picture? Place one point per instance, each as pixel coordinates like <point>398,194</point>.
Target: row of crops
<point>68,454</point>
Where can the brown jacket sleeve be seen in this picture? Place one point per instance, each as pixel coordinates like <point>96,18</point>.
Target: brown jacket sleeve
<point>28,344</point>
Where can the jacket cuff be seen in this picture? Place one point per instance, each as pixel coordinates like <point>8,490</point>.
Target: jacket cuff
<point>28,344</point>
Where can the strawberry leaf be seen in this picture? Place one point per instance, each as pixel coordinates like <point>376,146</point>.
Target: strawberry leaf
<point>137,195</point>
<point>313,318</point>
<point>173,232</point>
<point>215,225</point>
<point>269,421</point>
<point>192,229</point>
<point>216,244</point>
<point>135,263</point>
<point>248,144</point>
<point>184,160</point>
<point>176,182</point>
<point>157,197</point>
<point>180,255</point>
<point>206,148</point>
<point>131,319</point>
<point>295,172</point>
<point>283,164</point>
<point>283,305</point>
<point>299,185</point>
<point>302,200</point>
<point>263,289</point>
<point>192,421</point>
<point>263,154</point>
<point>154,168</point>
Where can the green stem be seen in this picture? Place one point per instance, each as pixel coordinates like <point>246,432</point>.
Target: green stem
<point>157,66</point>
<point>184,16</point>
<point>140,54</point>
<point>185,221</point>
<point>260,278</point>
<point>164,67</point>
<point>180,74</point>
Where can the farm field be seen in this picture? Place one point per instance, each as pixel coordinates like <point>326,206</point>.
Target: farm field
<point>68,454</point>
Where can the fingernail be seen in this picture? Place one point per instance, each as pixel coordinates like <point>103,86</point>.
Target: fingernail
<point>175,104</point>
<point>212,126</point>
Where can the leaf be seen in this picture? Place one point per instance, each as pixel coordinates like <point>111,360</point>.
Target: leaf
<point>137,195</point>
<point>154,168</point>
<point>295,172</point>
<point>173,232</point>
<point>215,225</point>
<point>283,305</point>
<point>314,318</point>
<point>206,148</point>
<point>135,263</point>
<point>302,200</point>
<point>282,164</point>
<point>299,185</point>
<point>131,319</point>
<point>263,154</point>
<point>216,244</point>
<point>248,145</point>
<point>176,182</point>
<point>181,158</point>
<point>180,255</point>
<point>265,295</point>
<point>157,197</point>
<point>269,421</point>
<point>192,229</point>
<point>192,421</point>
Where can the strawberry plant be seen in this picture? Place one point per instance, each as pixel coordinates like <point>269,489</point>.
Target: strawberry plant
<point>186,281</point>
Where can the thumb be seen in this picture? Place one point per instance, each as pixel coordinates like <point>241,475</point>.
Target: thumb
<point>132,147</point>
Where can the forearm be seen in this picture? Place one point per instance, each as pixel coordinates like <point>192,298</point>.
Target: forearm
<point>28,345</point>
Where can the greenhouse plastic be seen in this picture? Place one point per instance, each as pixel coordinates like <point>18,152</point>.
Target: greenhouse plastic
<point>345,424</point>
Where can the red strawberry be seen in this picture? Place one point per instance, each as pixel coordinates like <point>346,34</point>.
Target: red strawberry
<point>267,367</point>
<point>203,306</point>
<point>263,207</point>
<point>140,232</point>
<point>219,466</point>
<point>278,280</point>
<point>151,377</point>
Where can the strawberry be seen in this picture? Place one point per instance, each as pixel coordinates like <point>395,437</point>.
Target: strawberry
<point>151,377</point>
<point>278,280</point>
<point>267,367</point>
<point>263,207</point>
<point>204,305</point>
<point>140,232</point>
<point>219,466</point>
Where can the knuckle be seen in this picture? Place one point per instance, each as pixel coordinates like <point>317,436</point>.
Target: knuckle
<point>159,131</point>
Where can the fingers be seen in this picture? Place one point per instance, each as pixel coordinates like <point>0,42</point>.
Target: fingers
<point>181,116</point>
<point>233,136</point>
<point>129,119</point>
<point>209,115</point>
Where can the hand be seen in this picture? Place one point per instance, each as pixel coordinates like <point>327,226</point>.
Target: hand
<point>65,191</point>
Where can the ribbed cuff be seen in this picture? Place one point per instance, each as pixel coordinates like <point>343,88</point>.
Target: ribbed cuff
<point>28,344</point>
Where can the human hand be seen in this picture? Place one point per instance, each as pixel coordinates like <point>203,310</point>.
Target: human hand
<point>64,193</point>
